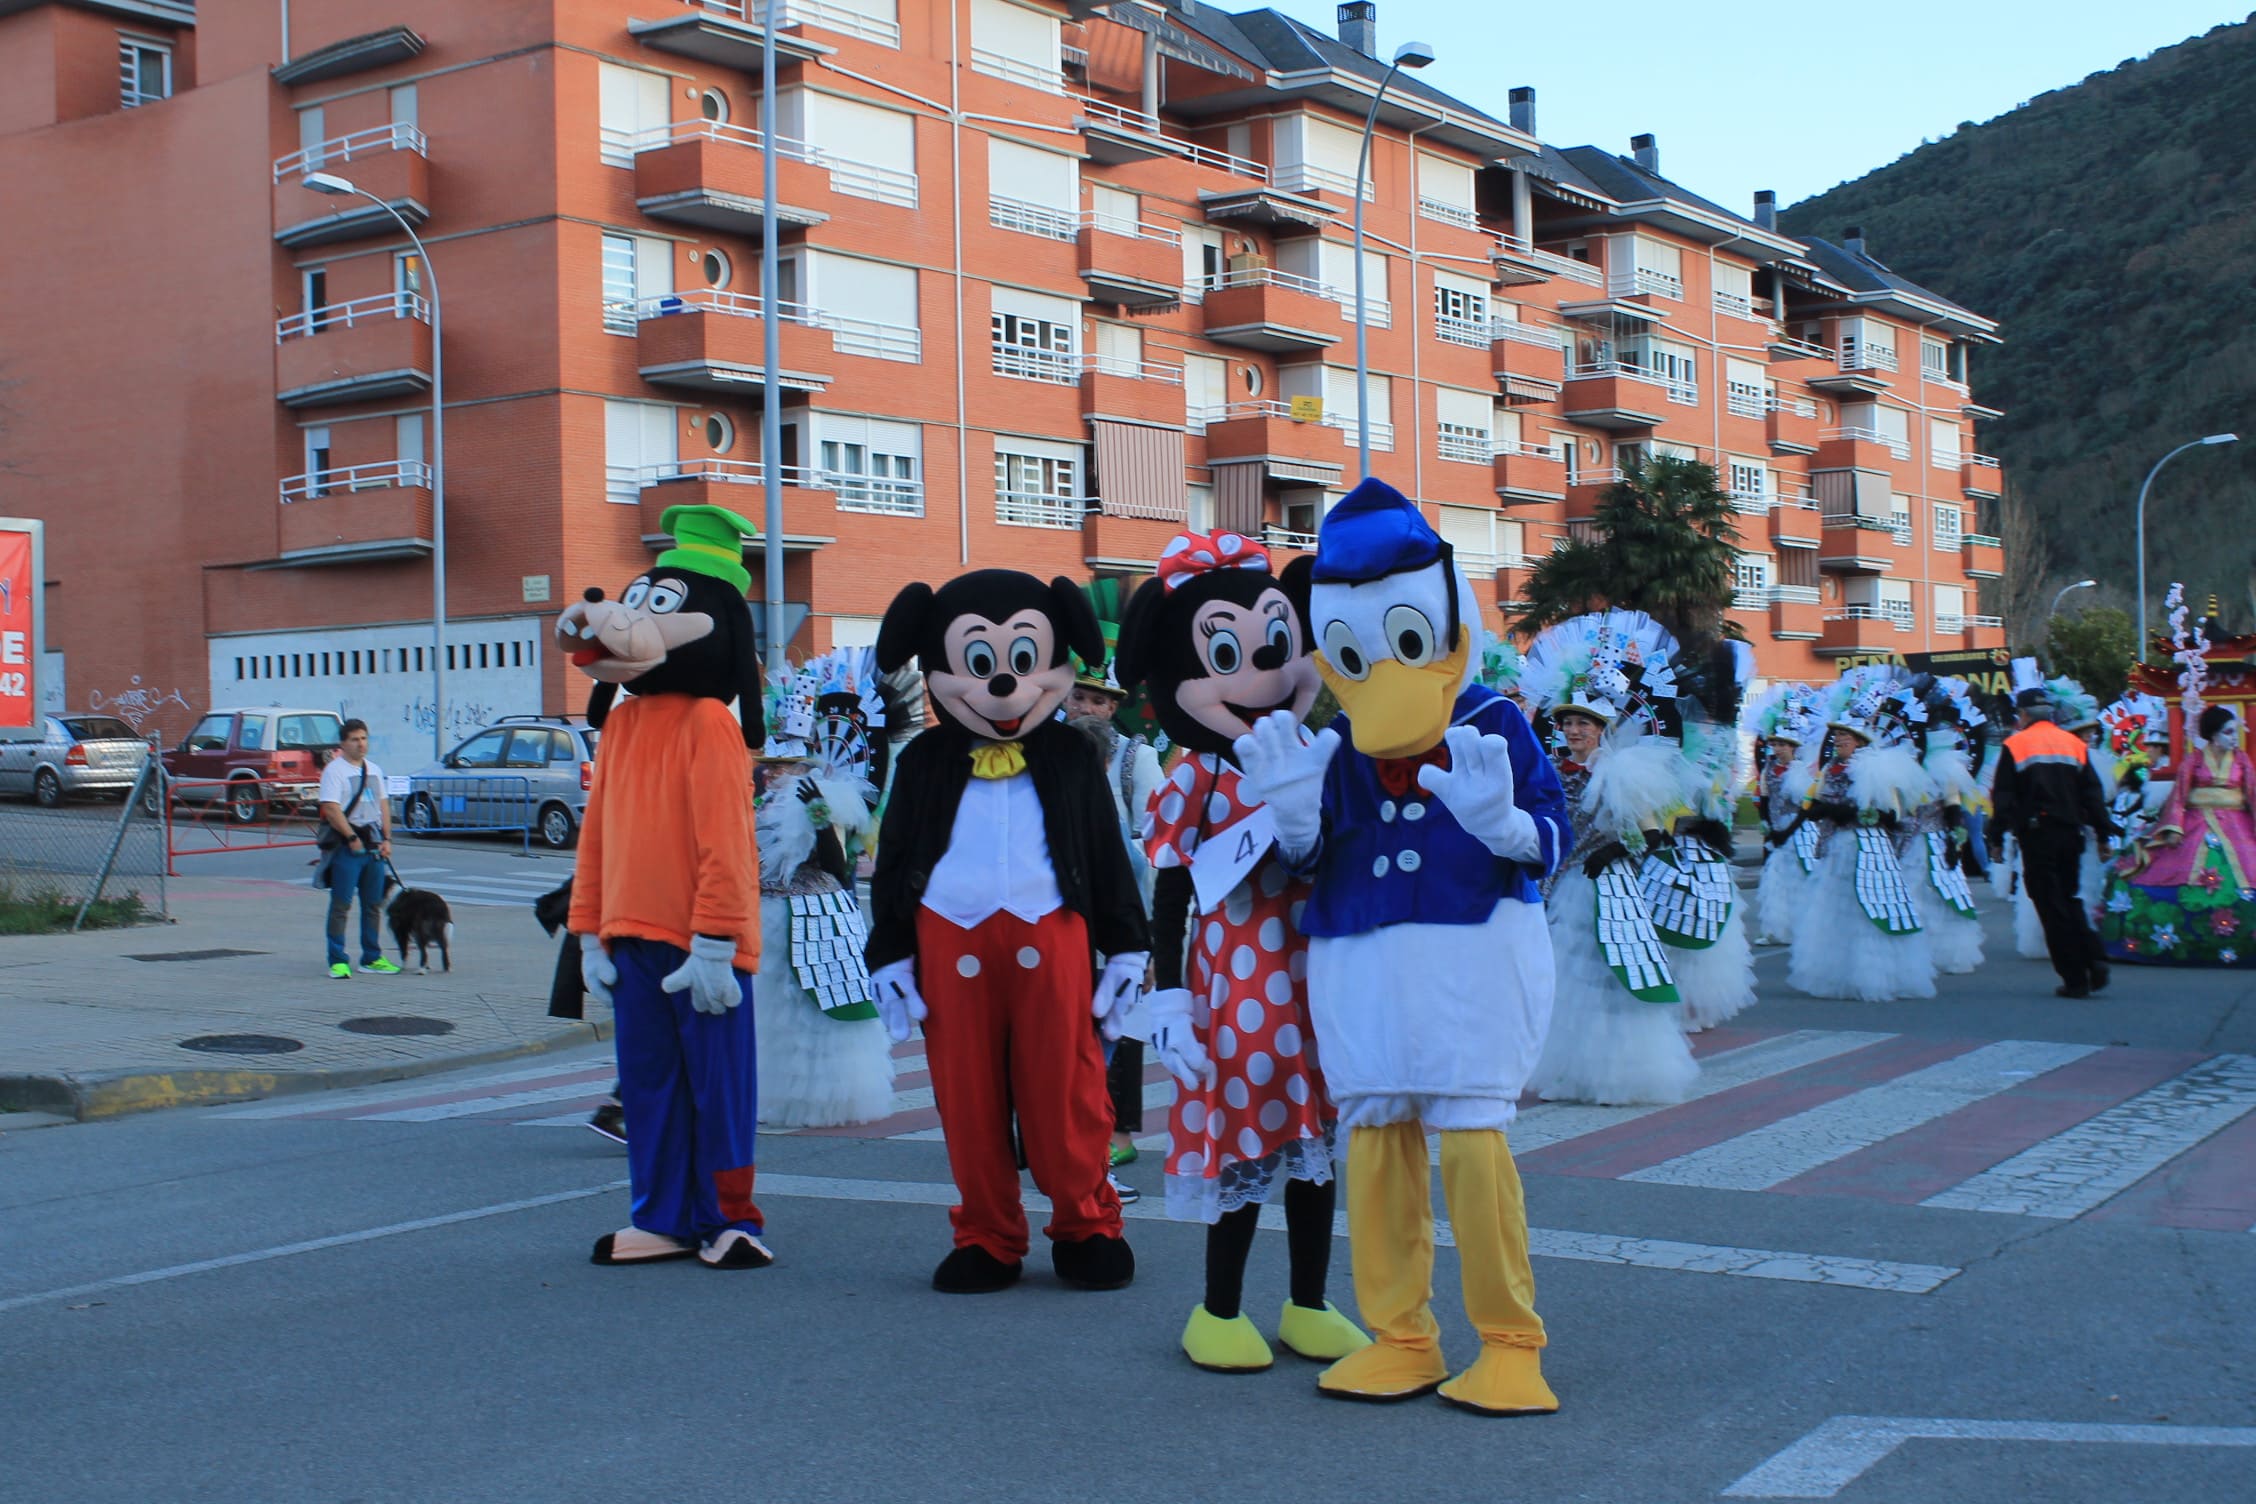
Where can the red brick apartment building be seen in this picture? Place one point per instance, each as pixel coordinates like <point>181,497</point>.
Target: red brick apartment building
<point>1057,277</point>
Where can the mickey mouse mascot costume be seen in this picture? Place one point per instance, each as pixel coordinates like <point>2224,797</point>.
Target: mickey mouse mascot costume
<point>1218,640</point>
<point>666,897</point>
<point>1429,965</point>
<point>1001,877</point>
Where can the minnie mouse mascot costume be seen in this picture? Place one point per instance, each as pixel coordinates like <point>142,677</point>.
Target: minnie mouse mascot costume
<point>1001,877</point>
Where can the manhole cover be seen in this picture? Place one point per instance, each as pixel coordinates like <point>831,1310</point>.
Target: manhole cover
<point>396,1024</point>
<point>194,955</point>
<point>242,1044</point>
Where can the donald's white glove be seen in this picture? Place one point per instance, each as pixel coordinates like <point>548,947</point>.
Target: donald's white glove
<point>1117,986</point>
<point>1284,769</point>
<point>1174,1042</point>
<point>597,974</point>
<point>1477,788</point>
<point>708,976</point>
<point>898,1001</point>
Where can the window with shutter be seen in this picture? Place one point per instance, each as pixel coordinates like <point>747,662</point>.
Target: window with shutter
<point>1036,338</point>
<point>1445,190</point>
<point>1316,154</point>
<point>1470,533</point>
<point>1033,192</point>
<point>1017,43</point>
<point>1462,427</point>
<point>144,70</point>
<point>639,448</point>
<point>1205,390</point>
<point>1745,388</point>
<point>870,307</point>
<point>1734,289</point>
<point>631,111</point>
<point>1950,525</point>
<point>1461,310</point>
<point>869,151</point>
<point>1203,265</point>
<point>1944,444</point>
<point>1038,483</point>
<point>870,464</point>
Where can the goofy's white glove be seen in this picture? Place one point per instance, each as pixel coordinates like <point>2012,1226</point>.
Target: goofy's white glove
<point>597,974</point>
<point>1477,788</point>
<point>1284,768</point>
<point>898,1001</point>
<point>1117,986</point>
<point>1173,1040</point>
<point>708,976</point>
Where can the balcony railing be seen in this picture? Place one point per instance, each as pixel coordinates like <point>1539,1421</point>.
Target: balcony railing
<point>1753,503</point>
<point>1304,177</point>
<point>1551,261</point>
<point>1737,305</point>
<point>1983,461</point>
<point>848,336</point>
<point>1683,393</point>
<point>1800,349</point>
<point>1269,276</point>
<point>1980,540</point>
<point>1597,475</point>
<point>1133,370</point>
<point>390,305</point>
<point>1644,279</point>
<point>398,136</point>
<point>1045,220</point>
<point>790,13</point>
<point>1900,448</point>
<point>384,476</point>
<point>1946,459</point>
<point>1864,355</point>
<point>1017,70</point>
<point>1025,363</point>
<point>1521,332</point>
<point>1134,229</point>
<point>1895,614</point>
<point>888,495</point>
<point>848,175</point>
<point>1745,402</point>
<point>1447,212</point>
<point>1041,509</point>
<point>1476,448</point>
<point>1800,407</point>
<point>1791,595</point>
<point>1121,118</point>
<point>1382,434</point>
<point>1450,329</point>
<point>1285,537</point>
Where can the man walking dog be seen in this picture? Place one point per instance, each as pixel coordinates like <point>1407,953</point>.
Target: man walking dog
<point>356,843</point>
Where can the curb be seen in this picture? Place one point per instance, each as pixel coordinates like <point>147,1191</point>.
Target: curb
<point>109,1095</point>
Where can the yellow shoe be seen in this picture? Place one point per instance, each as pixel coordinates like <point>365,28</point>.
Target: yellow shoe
<point>1233,1346</point>
<point>1384,1371</point>
<point>1503,1381</point>
<point>1323,1336</point>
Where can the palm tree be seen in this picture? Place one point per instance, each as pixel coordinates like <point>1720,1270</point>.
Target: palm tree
<point>1663,542</point>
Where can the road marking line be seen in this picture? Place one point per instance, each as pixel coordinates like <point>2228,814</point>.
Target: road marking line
<point>1157,1094</point>
<point>323,1103</point>
<point>310,1245</point>
<point>1763,1157</point>
<point>1584,1247</point>
<point>570,1091</point>
<point>2072,1172</point>
<point>1843,1449</point>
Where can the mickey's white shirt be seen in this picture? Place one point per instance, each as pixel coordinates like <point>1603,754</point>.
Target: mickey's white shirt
<point>998,856</point>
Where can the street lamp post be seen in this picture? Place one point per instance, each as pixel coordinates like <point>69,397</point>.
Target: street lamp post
<point>1408,55</point>
<point>2062,593</point>
<point>330,183</point>
<point>771,353</point>
<point>2215,438</point>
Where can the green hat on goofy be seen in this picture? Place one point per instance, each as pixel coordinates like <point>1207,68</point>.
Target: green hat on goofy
<point>708,540</point>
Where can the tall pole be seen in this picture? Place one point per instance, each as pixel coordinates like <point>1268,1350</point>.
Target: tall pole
<point>2144,635</point>
<point>2062,594</point>
<point>1362,326</point>
<point>771,387</point>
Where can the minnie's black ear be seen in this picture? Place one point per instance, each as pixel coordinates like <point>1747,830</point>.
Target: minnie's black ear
<point>600,699</point>
<point>750,702</point>
<point>1298,581</point>
<point>900,637</point>
<point>1076,622</point>
<point>1133,655</point>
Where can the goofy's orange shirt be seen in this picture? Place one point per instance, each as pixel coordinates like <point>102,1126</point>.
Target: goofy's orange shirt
<point>667,850</point>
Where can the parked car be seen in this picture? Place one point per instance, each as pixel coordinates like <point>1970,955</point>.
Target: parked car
<point>263,760</point>
<point>80,754</point>
<point>525,769</point>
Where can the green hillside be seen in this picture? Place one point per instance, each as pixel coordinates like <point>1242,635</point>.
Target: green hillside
<point>2111,228</point>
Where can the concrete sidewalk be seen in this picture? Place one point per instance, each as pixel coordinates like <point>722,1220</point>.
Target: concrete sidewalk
<point>96,1024</point>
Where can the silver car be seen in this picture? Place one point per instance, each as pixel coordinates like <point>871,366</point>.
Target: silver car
<point>79,755</point>
<point>526,770</point>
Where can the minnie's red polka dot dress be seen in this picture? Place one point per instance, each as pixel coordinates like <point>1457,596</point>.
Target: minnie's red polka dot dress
<point>1267,1113</point>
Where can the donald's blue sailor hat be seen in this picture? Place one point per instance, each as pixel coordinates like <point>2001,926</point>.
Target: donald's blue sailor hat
<point>1374,531</point>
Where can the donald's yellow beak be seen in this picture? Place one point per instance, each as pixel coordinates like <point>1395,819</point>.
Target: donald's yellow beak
<point>1398,711</point>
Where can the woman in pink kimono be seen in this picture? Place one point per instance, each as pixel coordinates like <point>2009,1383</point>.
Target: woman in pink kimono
<point>2186,895</point>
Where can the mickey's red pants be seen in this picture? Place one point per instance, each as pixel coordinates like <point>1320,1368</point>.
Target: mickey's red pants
<point>1009,1031</point>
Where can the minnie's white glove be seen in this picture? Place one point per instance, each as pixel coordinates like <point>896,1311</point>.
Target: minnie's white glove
<point>1477,788</point>
<point>708,976</point>
<point>1174,1041</point>
<point>597,974</point>
<point>1284,768</point>
<point>1117,986</point>
<point>898,1001</point>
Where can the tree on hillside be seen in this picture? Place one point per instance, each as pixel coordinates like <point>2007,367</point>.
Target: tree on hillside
<point>2026,585</point>
<point>1664,541</point>
<point>2094,648</point>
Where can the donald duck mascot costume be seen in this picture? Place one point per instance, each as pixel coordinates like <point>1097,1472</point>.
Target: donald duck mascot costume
<point>1425,816</point>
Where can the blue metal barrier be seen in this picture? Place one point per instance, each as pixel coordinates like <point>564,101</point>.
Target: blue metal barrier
<point>469,804</point>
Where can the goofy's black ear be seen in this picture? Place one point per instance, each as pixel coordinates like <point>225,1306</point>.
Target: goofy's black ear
<point>1298,582</point>
<point>600,699</point>
<point>1077,623</point>
<point>749,700</point>
<point>900,637</point>
<point>1133,655</point>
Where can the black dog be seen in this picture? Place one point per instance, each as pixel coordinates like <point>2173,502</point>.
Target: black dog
<point>420,917</point>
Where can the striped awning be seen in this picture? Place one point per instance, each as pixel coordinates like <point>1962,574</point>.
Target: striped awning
<point>1140,471</point>
<point>1237,497</point>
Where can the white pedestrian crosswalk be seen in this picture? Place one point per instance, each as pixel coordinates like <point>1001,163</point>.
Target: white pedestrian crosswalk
<point>484,889</point>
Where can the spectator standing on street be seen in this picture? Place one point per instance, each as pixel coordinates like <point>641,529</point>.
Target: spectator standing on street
<point>2046,792</point>
<point>359,845</point>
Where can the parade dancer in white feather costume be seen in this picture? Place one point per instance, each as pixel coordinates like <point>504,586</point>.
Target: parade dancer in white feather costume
<point>825,1059</point>
<point>1930,846</point>
<point>1860,937</point>
<point>1614,1036</point>
<point>1786,728</point>
<point>1689,884</point>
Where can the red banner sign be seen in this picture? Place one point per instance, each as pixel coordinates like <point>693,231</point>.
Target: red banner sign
<point>19,658</point>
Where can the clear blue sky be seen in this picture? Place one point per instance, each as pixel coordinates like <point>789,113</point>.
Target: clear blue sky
<point>1794,98</point>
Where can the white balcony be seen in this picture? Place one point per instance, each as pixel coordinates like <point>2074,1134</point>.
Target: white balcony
<point>1896,614</point>
<point>846,20</point>
<point>1735,305</point>
<point>885,495</point>
<point>1517,260</point>
<point>1866,355</point>
<point>1017,70</point>
<point>1683,393</point>
<point>1132,370</point>
<point>1900,448</point>
<point>1308,177</point>
<point>1451,330</point>
<point>1472,448</point>
<point>327,156</point>
<point>1045,220</point>
<point>1746,402</point>
<point>849,336</point>
<point>1448,213</point>
<point>381,308</point>
<point>1026,363</point>
<point>1133,135</point>
<point>848,175</point>
<point>388,475</point>
<point>1041,509</point>
<point>1631,281</point>
<point>1521,332</point>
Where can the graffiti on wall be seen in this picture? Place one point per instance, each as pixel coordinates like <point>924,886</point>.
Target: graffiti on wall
<point>137,705</point>
<point>462,716</point>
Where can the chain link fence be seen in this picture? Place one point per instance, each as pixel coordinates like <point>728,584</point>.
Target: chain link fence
<point>83,861</point>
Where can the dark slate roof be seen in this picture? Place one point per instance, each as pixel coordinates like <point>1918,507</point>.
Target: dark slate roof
<point>1622,180</point>
<point>1863,274</point>
<point>1283,45</point>
<point>1552,165</point>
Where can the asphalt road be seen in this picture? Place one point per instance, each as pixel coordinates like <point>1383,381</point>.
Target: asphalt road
<point>1780,1290</point>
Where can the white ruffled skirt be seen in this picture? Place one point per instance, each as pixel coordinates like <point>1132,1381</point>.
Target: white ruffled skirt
<point>1838,952</point>
<point>815,1071</point>
<point>1605,1046</point>
<point>1954,940</point>
<point>1720,981</point>
<point>1779,896</point>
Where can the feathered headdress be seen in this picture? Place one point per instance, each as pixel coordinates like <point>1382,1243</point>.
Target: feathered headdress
<point>1604,664</point>
<point>2073,707</point>
<point>1501,664</point>
<point>830,711</point>
<point>1783,713</point>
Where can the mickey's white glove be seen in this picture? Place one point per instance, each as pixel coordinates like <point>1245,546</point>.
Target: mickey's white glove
<point>708,976</point>
<point>1477,788</point>
<point>1284,768</point>
<point>597,974</point>
<point>1174,1041</point>
<point>1117,986</point>
<point>898,1001</point>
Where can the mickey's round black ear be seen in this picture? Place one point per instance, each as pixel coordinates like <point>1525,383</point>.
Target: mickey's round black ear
<point>1298,582</point>
<point>1132,655</point>
<point>901,635</point>
<point>1077,623</point>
